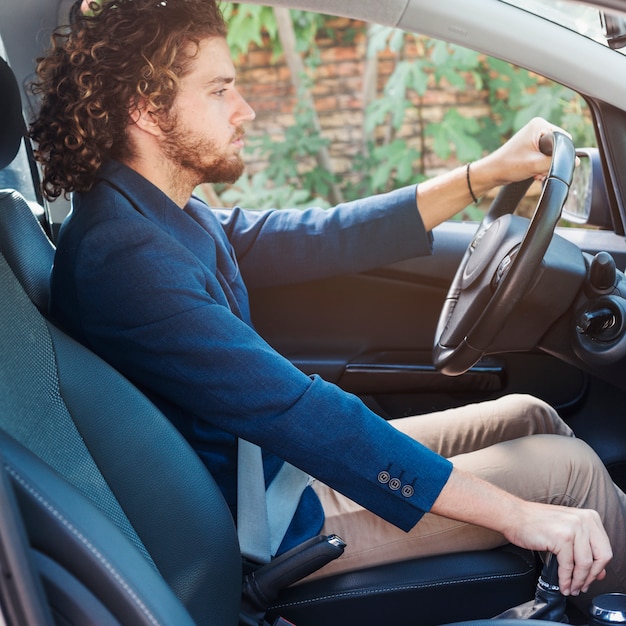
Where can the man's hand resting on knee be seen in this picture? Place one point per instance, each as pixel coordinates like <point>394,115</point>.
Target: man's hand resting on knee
<point>576,536</point>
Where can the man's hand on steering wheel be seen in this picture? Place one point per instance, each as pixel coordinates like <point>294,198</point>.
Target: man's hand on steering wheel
<point>518,159</point>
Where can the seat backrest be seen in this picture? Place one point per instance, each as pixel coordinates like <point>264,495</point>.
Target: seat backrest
<point>21,231</point>
<point>88,423</point>
<point>104,437</point>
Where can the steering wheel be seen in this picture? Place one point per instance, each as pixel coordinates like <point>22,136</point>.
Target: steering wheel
<point>501,263</point>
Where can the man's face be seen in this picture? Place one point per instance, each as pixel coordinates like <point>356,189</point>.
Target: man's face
<point>207,133</point>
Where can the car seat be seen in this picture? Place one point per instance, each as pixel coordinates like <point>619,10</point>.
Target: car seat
<point>125,516</point>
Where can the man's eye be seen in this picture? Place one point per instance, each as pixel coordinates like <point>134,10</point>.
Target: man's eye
<point>220,92</point>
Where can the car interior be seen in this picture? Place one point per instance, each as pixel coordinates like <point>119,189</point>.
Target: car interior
<point>107,516</point>
<point>120,516</point>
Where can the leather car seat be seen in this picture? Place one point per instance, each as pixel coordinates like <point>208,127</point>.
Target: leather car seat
<point>141,525</point>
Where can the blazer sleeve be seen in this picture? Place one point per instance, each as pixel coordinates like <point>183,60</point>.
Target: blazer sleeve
<point>279,247</point>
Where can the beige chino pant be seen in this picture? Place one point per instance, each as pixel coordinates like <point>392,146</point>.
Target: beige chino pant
<point>518,443</point>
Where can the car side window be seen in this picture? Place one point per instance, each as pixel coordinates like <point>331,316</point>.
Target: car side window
<point>355,109</point>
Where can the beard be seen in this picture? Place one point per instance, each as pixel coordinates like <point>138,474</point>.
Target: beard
<point>200,158</point>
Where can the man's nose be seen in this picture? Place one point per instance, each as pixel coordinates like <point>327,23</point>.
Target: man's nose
<point>243,111</point>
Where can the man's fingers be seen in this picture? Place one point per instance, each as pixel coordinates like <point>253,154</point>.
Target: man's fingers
<point>566,569</point>
<point>583,563</point>
<point>583,559</point>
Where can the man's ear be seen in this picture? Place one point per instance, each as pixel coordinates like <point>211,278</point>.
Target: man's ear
<point>144,117</point>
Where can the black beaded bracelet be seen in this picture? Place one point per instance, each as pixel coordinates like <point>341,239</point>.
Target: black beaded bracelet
<point>469,184</point>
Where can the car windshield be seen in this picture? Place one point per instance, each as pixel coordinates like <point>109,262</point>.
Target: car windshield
<point>583,19</point>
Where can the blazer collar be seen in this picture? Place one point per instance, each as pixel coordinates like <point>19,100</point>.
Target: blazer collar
<point>145,197</point>
<point>191,225</point>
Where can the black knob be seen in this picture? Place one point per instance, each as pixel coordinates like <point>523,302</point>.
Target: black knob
<point>602,273</point>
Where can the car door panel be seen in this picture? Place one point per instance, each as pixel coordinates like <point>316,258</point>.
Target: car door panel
<point>372,334</point>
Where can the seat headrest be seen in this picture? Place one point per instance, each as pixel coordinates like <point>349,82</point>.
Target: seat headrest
<point>12,128</point>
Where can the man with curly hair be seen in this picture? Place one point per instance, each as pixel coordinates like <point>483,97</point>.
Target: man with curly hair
<point>139,105</point>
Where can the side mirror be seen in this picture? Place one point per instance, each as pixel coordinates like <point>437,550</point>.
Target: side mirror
<point>588,201</point>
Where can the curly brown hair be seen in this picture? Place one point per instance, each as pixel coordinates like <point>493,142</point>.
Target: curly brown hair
<point>125,53</point>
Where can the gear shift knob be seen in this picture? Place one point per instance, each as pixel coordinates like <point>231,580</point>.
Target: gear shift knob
<point>549,604</point>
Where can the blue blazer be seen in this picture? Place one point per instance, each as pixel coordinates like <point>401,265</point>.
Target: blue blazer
<point>161,293</point>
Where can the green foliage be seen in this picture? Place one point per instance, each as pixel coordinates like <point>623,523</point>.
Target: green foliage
<point>400,136</point>
<point>248,24</point>
<point>291,178</point>
<point>307,26</point>
<point>455,133</point>
<point>293,158</point>
<point>394,162</point>
<point>260,192</point>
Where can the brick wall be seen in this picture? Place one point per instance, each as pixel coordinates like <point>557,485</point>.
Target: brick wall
<point>338,93</point>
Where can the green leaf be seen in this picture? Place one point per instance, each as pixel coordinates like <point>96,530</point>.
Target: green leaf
<point>456,133</point>
<point>378,36</point>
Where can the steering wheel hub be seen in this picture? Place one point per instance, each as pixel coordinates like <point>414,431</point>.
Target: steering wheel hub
<point>483,250</point>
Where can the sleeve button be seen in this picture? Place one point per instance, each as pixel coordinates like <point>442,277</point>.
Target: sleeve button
<point>407,491</point>
<point>384,477</point>
<point>395,484</point>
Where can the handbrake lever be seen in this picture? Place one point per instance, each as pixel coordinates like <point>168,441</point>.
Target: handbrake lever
<point>262,586</point>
